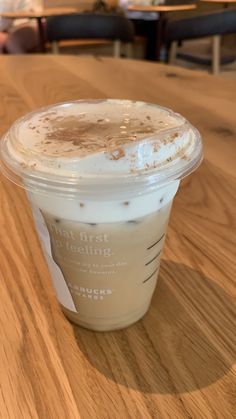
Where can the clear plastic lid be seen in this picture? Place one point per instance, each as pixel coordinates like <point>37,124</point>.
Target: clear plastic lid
<point>99,146</point>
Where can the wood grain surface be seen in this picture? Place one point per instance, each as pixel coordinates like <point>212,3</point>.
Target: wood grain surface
<point>56,11</point>
<point>224,2</point>
<point>162,8</point>
<point>180,360</point>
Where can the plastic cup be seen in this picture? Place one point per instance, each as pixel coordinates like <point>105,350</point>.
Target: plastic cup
<point>101,177</point>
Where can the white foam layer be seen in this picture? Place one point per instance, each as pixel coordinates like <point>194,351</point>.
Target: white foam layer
<point>106,211</point>
<point>101,138</point>
<point>109,144</point>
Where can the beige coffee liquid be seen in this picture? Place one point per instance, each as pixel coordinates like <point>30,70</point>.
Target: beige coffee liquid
<point>110,268</point>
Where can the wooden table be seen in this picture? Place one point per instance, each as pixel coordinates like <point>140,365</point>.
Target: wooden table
<point>39,16</point>
<point>226,3</point>
<point>162,9</point>
<point>180,360</point>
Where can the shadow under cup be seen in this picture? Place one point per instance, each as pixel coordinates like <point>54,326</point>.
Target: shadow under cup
<point>101,176</point>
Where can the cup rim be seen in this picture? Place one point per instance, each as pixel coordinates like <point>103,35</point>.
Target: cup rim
<point>93,183</point>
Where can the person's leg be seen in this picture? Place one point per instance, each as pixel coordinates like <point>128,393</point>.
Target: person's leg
<point>22,39</point>
<point>3,39</point>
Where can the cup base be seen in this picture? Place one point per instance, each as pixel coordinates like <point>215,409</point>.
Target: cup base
<point>105,326</point>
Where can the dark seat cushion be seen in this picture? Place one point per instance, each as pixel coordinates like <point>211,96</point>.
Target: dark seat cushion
<point>217,23</point>
<point>89,26</point>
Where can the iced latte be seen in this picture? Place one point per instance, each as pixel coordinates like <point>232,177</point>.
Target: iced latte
<point>101,177</point>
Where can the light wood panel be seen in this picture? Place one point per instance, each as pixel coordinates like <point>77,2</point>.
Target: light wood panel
<point>68,3</point>
<point>180,360</point>
<point>223,2</point>
<point>74,3</point>
<point>57,11</point>
<point>163,8</point>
